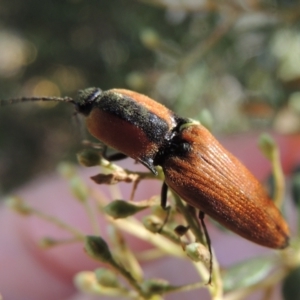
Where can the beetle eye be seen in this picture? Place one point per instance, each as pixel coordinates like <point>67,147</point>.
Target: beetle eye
<point>91,97</point>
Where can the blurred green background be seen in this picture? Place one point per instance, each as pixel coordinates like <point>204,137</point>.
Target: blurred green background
<point>240,60</point>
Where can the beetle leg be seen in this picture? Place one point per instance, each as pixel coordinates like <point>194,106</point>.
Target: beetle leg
<point>112,157</point>
<point>115,156</point>
<point>163,203</point>
<point>208,241</point>
<point>163,196</point>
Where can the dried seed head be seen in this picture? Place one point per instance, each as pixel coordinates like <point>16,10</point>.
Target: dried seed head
<point>198,252</point>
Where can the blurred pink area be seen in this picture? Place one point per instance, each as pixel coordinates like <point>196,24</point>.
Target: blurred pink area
<point>27,272</point>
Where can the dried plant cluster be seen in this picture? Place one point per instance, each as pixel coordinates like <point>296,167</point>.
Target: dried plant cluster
<point>180,237</point>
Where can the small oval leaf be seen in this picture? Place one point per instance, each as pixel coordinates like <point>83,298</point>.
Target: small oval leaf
<point>295,185</point>
<point>290,287</point>
<point>247,273</point>
<point>122,209</point>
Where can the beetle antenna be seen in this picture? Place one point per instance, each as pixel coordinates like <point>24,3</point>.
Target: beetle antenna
<point>28,99</point>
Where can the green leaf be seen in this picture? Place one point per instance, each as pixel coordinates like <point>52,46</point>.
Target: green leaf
<point>247,273</point>
<point>122,209</point>
<point>267,145</point>
<point>156,286</point>
<point>295,186</point>
<point>107,278</point>
<point>88,157</point>
<point>97,248</point>
<point>291,285</point>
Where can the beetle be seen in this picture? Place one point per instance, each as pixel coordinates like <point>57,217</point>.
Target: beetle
<point>195,164</point>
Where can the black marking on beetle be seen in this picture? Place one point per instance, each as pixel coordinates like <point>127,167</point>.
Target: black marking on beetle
<point>124,107</point>
<point>175,145</point>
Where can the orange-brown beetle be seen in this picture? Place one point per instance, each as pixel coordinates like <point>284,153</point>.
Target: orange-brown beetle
<point>195,165</point>
<point>211,179</point>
